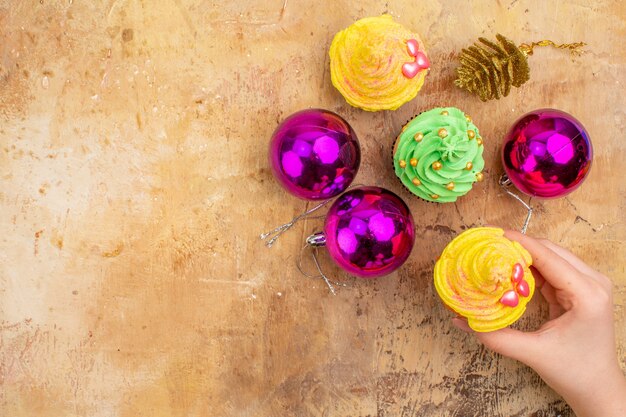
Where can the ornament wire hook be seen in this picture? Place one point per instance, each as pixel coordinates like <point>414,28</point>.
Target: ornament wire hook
<point>505,183</point>
<point>274,234</point>
<point>319,269</point>
<point>320,273</point>
<point>574,48</point>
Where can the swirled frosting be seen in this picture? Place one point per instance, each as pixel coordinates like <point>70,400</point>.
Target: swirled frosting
<point>438,155</point>
<point>367,64</point>
<point>485,277</point>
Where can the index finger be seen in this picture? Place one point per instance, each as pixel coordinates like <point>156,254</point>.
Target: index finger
<point>556,270</point>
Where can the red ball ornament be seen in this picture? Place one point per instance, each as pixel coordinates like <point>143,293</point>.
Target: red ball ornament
<point>547,153</point>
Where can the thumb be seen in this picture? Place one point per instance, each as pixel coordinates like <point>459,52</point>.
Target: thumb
<point>508,342</point>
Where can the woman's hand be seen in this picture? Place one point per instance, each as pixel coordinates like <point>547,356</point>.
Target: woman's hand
<point>574,352</point>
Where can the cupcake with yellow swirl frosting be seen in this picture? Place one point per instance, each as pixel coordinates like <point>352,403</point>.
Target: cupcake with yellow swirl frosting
<point>438,155</point>
<point>378,64</point>
<point>485,277</point>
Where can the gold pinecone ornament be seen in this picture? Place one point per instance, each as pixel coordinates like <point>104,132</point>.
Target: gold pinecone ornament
<point>489,69</point>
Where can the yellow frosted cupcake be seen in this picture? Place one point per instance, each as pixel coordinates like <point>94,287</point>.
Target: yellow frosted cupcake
<point>485,277</point>
<point>378,64</point>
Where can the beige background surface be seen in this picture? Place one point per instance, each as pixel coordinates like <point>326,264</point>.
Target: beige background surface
<point>134,184</point>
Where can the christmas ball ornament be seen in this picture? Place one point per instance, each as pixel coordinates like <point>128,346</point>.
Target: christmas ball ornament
<point>547,153</point>
<point>369,232</point>
<point>314,154</point>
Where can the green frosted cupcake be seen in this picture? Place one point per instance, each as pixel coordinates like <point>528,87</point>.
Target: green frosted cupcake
<point>438,155</point>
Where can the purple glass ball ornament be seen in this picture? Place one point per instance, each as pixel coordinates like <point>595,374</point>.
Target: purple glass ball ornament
<point>369,232</point>
<point>314,154</point>
<point>547,153</point>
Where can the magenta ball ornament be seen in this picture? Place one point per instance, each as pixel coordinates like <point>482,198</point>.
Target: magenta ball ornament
<point>547,153</point>
<point>314,154</point>
<point>369,232</point>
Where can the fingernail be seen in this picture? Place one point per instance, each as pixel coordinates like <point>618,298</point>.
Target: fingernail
<point>461,325</point>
